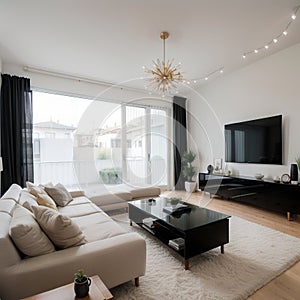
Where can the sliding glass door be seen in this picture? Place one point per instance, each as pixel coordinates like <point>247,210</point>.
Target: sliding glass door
<point>132,146</point>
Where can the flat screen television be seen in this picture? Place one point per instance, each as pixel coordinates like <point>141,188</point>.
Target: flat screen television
<point>256,141</point>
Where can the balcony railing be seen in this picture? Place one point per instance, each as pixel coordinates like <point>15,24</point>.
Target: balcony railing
<point>78,173</point>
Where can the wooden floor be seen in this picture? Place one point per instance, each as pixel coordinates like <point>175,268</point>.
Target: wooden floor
<point>287,285</point>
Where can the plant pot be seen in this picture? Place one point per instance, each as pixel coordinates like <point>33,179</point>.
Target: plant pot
<point>82,288</point>
<point>190,186</point>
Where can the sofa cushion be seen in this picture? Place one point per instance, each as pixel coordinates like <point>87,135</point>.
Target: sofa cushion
<point>60,229</point>
<point>79,200</point>
<point>59,194</point>
<point>78,210</point>
<point>141,191</point>
<point>103,196</point>
<point>76,194</point>
<point>27,234</point>
<point>45,200</point>
<point>101,231</point>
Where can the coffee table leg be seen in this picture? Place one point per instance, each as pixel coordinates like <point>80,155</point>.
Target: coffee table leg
<point>186,264</point>
<point>222,249</point>
<point>130,222</point>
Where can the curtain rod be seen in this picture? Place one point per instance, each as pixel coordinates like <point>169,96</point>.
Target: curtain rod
<point>78,78</point>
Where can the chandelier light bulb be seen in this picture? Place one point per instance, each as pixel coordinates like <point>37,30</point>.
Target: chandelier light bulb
<point>255,51</point>
<point>285,32</point>
<point>244,56</point>
<point>195,81</point>
<point>267,47</point>
<point>293,16</point>
<point>206,78</point>
<point>275,41</point>
<point>221,71</point>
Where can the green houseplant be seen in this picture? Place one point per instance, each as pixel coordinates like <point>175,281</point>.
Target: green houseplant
<point>81,284</point>
<point>189,170</point>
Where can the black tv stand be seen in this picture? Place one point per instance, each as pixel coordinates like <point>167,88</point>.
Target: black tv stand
<point>263,193</point>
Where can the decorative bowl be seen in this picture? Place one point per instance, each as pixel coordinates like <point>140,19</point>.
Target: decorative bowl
<point>259,176</point>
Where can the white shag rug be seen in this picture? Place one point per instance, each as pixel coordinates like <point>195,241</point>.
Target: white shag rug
<point>254,256</point>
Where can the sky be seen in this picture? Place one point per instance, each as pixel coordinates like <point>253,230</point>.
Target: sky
<point>57,108</point>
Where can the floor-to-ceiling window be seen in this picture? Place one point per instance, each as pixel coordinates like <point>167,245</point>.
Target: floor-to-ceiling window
<point>79,141</point>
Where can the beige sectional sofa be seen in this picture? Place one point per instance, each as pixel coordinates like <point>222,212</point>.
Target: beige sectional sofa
<point>108,251</point>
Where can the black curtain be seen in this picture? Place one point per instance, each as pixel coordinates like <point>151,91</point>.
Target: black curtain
<point>179,138</point>
<point>16,131</point>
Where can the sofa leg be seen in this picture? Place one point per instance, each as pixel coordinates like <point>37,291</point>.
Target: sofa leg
<point>137,281</point>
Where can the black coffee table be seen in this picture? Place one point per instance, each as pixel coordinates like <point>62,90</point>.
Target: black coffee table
<point>201,229</point>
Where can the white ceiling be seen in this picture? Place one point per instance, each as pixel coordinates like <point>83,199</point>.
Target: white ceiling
<point>111,40</point>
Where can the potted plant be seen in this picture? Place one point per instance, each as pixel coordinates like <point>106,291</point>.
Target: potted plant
<point>81,284</point>
<point>189,171</point>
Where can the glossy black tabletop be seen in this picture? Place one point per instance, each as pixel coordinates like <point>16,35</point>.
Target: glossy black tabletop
<point>185,221</point>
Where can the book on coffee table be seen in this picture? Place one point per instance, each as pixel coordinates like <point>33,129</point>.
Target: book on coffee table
<point>177,207</point>
<point>149,222</point>
<point>177,244</point>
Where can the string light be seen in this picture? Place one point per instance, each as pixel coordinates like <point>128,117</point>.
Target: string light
<point>275,39</point>
<point>207,76</point>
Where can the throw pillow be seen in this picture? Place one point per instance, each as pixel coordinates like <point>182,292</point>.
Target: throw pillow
<point>27,200</point>
<point>59,194</point>
<point>34,189</point>
<point>27,234</point>
<point>61,229</point>
<point>45,200</point>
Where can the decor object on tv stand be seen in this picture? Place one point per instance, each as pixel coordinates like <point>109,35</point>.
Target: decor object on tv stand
<point>294,174</point>
<point>285,178</point>
<point>81,284</point>
<point>189,171</point>
<point>210,169</point>
<point>259,176</point>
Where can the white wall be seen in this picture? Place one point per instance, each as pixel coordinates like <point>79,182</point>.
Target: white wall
<point>265,88</point>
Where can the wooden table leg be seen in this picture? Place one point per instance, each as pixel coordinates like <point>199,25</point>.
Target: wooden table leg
<point>288,214</point>
<point>137,281</point>
<point>130,223</point>
<point>222,249</point>
<point>186,264</point>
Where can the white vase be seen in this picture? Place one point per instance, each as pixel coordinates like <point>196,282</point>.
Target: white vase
<point>190,186</point>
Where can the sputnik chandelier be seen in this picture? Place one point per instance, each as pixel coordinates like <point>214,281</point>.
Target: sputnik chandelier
<point>165,76</point>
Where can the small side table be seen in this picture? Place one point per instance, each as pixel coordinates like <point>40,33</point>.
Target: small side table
<point>98,291</point>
